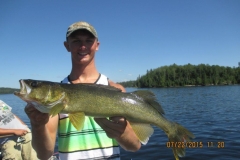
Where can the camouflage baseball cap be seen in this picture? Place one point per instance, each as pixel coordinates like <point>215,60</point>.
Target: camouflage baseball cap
<point>81,25</point>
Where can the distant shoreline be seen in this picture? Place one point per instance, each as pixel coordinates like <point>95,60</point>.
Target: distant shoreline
<point>5,90</point>
<point>188,86</point>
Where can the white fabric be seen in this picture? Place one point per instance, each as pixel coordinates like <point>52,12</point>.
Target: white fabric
<point>65,80</point>
<point>103,80</point>
<point>96,154</point>
<point>92,154</point>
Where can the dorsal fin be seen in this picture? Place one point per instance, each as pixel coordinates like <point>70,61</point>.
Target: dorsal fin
<point>111,88</point>
<point>148,97</point>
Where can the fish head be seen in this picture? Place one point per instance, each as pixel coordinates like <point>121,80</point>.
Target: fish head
<point>43,93</point>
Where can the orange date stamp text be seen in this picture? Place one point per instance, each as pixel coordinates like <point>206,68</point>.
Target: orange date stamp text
<point>195,144</point>
<point>184,144</point>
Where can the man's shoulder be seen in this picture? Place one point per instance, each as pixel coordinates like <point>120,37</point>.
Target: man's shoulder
<point>116,85</point>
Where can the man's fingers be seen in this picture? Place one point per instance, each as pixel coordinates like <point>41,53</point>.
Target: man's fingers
<point>29,108</point>
<point>118,120</point>
<point>104,122</point>
<point>24,133</point>
<point>112,121</point>
<point>108,127</point>
<point>36,117</point>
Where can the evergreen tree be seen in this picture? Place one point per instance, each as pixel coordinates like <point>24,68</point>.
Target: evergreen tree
<point>177,75</point>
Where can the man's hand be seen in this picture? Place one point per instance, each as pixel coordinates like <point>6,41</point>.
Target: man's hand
<point>114,127</point>
<point>44,129</point>
<point>36,117</point>
<point>120,129</point>
<point>20,132</point>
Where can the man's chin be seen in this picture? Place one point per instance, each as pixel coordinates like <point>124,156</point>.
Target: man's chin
<point>84,61</point>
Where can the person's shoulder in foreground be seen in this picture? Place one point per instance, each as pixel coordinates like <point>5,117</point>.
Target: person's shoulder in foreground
<point>10,124</point>
<point>14,131</point>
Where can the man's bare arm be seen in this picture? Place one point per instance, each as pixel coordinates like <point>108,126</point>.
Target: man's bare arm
<point>44,129</point>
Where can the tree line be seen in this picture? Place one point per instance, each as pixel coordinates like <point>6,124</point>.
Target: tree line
<point>184,75</point>
<point>4,90</point>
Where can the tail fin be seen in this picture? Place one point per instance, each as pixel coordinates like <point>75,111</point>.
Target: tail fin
<point>178,139</point>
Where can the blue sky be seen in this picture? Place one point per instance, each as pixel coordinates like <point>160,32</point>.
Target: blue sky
<point>134,35</point>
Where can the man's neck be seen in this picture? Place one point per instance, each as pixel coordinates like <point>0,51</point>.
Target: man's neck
<point>84,74</point>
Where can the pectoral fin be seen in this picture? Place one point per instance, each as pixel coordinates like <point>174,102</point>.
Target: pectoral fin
<point>142,131</point>
<point>77,119</point>
<point>56,109</point>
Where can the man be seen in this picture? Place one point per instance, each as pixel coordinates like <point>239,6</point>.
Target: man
<point>16,136</point>
<point>100,137</point>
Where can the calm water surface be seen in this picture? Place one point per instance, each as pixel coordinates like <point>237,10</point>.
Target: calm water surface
<point>211,113</point>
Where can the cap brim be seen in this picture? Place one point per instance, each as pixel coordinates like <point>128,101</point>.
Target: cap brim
<point>83,28</point>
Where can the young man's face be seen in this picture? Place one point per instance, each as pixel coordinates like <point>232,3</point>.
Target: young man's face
<point>82,45</point>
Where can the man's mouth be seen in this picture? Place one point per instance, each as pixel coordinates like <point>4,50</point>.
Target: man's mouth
<point>82,54</point>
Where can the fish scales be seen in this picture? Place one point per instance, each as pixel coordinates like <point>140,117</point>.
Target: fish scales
<point>107,103</point>
<point>140,108</point>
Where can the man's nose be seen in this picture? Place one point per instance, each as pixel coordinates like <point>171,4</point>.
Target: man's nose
<point>82,46</point>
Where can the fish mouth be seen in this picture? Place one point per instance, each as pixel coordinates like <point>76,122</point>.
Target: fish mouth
<point>24,89</point>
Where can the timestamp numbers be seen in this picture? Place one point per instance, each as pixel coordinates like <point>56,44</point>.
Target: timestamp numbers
<point>216,144</point>
<point>219,144</point>
<point>184,144</point>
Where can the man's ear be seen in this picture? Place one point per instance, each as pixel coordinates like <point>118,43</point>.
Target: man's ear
<point>98,44</point>
<point>66,46</point>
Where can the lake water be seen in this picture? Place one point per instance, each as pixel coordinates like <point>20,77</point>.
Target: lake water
<point>211,113</point>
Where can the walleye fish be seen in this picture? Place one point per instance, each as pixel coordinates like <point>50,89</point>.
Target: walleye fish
<point>140,107</point>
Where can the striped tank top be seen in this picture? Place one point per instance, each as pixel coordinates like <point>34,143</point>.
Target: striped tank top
<point>89,143</point>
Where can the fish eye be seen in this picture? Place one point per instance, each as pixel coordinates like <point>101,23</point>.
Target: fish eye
<point>34,84</point>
